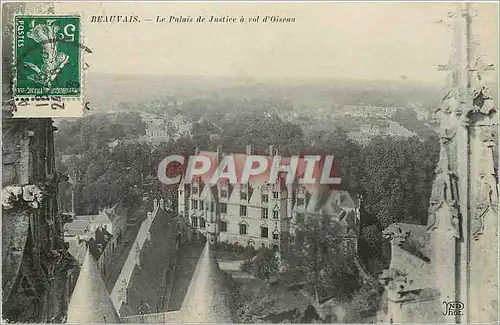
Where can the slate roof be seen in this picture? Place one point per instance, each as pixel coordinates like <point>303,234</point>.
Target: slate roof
<point>102,238</point>
<point>324,199</point>
<point>77,249</point>
<point>77,227</point>
<point>90,301</point>
<point>102,218</point>
<point>145,285</point>
<point>208,299</point>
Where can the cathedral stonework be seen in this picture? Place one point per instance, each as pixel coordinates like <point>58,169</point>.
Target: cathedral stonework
<point>35,258</point>
<point>462,226</point>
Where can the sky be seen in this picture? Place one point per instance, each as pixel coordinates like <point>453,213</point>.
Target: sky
<point>367,41</point>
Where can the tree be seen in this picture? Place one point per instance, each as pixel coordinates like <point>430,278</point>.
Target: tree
<point>317,259</point>
<point>264,265</point>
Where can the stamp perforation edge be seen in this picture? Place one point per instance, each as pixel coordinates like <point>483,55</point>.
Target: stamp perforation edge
<point>84,50</point>
<point>81,72</point>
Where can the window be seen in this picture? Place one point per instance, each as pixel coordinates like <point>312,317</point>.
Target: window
<point>275,194</point>
<point>243,210</point>
<point>243,229</point>
<point>264,232</point>
<point>243,195</point>
<point>212,206</point>
<point>202,205</point>
<point>194,221</point>
<point>202,223</point>
<point>300,201</point>
<point>264,198</point>
<point>194,189</point>
<point>223,193</point>
<point>223,226</point>
<point>194,204</point>
<point>276,214</point>
<point>276,236</point>
<point>264,213</point>
<point>223,207</point>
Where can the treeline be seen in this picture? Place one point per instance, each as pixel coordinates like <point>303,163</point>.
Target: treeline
<point>393,174</point>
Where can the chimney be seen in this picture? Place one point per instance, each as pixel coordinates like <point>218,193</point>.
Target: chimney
<point>271,150</point>
<point>162,204</point>
<point>196,151</point>
<point>155,203</point>
<point>219,154</point>
<point>248,149</point>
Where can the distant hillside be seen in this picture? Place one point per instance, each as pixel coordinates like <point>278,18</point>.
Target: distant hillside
<point>106,91</point>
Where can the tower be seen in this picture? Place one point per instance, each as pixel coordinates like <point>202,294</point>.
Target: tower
<point>463,217</point>
<point>453,275</point>
<point>35,257</point>
<point>208,299</point>
<point>91,302</point>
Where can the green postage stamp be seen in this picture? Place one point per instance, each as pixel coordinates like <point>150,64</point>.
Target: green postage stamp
<point>48,62</point>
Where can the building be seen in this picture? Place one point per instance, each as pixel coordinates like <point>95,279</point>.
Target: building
<point>102,232</point>
<point>257,214</point>
<point>208,298</point>
<point>90,301</point>
<point>447,271</point>
<point>166,127</point>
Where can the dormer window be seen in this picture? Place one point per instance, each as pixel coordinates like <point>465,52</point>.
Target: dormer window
<point>195,188</point>
<point>275,194</point>
<point>243,193</point>
<point>223,191</point>
<point>264,198</point>
<point>300,201</point>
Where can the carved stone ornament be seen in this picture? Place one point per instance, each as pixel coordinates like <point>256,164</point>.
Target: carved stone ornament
<point>487,201</point>
<point>443,115</point>
<point>32,195</point>
<point>394,282</point>
<point>396,234</point>
<point>481,95</point>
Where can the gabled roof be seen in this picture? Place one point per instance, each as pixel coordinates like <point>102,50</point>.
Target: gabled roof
<point>77,227</point>
<point>78,249</point>
<point>90,301</point>
<point>102,217</point>
<point>329,201</point>
<point>208,299</point>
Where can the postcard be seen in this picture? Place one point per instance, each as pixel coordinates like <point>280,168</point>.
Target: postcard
<point>250,162</point>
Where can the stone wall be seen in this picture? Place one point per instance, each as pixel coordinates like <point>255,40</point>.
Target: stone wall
<point>156,318</point>
<point>424,309</point>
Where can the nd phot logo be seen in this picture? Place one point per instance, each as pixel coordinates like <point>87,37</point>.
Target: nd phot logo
<point>453,308</point>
